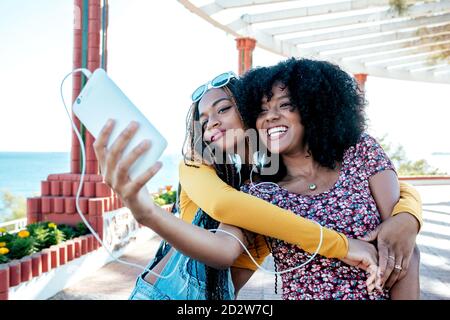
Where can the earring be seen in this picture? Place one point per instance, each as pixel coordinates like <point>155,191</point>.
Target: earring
<point>237,162</point>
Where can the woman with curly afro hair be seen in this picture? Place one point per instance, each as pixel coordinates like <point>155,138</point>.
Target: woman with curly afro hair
<point>311,114</point>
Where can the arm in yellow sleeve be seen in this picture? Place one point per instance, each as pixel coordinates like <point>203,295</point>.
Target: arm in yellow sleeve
<point>409,202</point>
<point>259,249</point>
<point>227,205</point>
<point>188,208</point>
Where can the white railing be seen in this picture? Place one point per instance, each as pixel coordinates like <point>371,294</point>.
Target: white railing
<point>427,180</point>
<point>14,225</point>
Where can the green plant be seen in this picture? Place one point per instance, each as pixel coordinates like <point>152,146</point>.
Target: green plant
<point>15,205</point>
<point>6,237</point>
<point>3,258</point>
<point>35,237</point>
<point>404,166</point>
<point>165,197</point>
<point>69,232</point>
<point>56,236</point>
<point>41,234</point>
<point>82,229</point>
<point>21,247</point>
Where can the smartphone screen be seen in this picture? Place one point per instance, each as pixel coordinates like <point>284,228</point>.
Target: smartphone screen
<point>101,99</point>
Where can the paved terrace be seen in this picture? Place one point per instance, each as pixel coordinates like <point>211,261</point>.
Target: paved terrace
<point>115,281</point>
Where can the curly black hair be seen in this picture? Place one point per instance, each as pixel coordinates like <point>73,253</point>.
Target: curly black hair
<point>330,103</point>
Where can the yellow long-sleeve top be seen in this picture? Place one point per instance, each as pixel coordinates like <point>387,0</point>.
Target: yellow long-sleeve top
<point>202,188</point>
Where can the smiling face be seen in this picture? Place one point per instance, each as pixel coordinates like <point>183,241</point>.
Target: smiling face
<point>222,125</point>
<point>279,123</point>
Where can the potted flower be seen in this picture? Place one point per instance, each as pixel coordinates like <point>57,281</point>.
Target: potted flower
<point>36,237</point>
<point>34,251</point>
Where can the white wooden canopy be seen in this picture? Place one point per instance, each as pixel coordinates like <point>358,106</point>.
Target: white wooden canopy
<point>362,36</point>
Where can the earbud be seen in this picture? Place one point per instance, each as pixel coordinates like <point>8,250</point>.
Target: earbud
<point>237,162</point>
<point>259,161</point>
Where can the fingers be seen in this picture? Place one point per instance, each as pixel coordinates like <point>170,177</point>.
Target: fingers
<point>405,267</point>
<point>396,272</point>
<point>140,181</point>
<point>383,253</point>
<point>124,165</point>
<point>112,156</point>
<point>370,282</point>
<point>101,142</point>
<point>378,280</point>
<point>371,235</point>
<point>369,262</point>
<point>389,267</point>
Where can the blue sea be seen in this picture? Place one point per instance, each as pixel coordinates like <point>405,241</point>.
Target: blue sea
<point>21,173</point>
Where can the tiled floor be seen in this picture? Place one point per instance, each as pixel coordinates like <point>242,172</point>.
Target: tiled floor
<point>434,244</point>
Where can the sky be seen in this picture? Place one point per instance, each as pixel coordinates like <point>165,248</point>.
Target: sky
<point>159,52</point>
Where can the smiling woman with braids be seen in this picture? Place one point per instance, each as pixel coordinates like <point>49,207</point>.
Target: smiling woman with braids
<point>213,186</point>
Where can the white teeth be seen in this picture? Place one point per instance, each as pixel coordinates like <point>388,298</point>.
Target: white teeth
<point>276,131</point>
<point>276,134</point>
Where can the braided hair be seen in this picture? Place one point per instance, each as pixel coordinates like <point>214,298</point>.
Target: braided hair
<point>196,150</point>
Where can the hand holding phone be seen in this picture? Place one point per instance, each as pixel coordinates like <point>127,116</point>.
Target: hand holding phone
<point>115,168</point>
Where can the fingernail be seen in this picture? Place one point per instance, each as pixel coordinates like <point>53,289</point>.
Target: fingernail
<point>133,125</point>
<point>145,144</point>
<point>109,123</point>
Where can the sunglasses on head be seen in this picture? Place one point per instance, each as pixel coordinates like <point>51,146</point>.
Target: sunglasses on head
<point>218,82</point>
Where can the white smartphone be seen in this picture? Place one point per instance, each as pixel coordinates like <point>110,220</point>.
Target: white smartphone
<point>101,99</point>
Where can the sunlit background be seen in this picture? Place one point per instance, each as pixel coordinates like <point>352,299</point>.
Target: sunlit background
<point>158,52</point>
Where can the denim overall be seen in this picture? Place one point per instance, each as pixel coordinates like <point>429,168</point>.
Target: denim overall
<point>188,279</point>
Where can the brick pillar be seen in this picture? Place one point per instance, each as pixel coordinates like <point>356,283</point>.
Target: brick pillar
<point>361,78</point>
<point>93,63</point>
<point>245,47</point>
<point>57,200</point>
<point>90,61</point>
<point>76,80</point>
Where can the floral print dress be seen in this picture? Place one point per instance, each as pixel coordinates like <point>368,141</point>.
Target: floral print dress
<point>348,207</point>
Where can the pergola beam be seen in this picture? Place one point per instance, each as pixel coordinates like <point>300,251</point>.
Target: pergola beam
<point>389,55</point>
<point>407,66</point>
<point>310,11</point>
<point>408,59</point>
<point>367,30</point>
<point>396,36</point>
<point>345,21</point>
<point>442,72</point>
<point>381,43</point>
<point>229,4</point>
<point>396,74</point>
<point>387,47</point>
<point>220,5</point>
<point>427,66</point>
